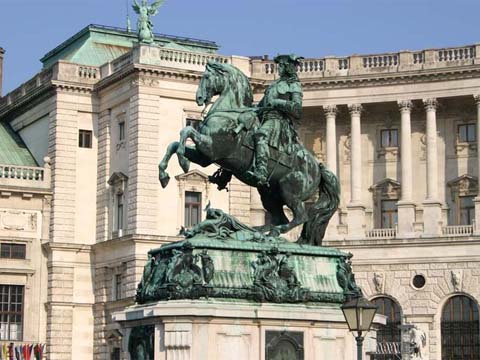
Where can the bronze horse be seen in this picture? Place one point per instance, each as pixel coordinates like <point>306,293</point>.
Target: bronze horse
<point>293,178</point>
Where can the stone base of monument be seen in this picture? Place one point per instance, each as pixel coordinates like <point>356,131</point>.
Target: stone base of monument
<point>219,329</point>
<point>230,292</point>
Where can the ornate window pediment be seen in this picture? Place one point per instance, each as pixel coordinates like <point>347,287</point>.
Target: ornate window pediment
<point>465,185</point>
<point>386,189</point>
<point>193,175</point>
<point>118,182</point>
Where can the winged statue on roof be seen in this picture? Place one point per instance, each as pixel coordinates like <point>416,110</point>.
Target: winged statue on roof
<point>145,12</point>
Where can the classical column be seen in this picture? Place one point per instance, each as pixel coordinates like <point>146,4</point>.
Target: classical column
<point>355,155</point>
<point>477,199</point>
<point>431,205</point>
<point>330,114</point>
<point>356,210</point>
<point>406,207</point>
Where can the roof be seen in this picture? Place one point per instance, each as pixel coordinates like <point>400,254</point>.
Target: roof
<point>12,149</point>
<point>97,44</point>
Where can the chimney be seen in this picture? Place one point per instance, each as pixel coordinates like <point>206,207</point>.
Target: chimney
<point>1,69</point>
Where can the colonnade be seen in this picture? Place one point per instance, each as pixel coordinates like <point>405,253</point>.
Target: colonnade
<point>432,205</point>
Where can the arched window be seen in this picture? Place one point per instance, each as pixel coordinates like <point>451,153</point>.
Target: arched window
<point>460,329</point>
<point>390,333</point>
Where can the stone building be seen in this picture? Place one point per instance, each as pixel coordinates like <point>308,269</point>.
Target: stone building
<point>399,130</point>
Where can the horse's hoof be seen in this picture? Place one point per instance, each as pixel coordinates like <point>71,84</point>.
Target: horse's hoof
<point>184,164</point>
<point>164,179</point>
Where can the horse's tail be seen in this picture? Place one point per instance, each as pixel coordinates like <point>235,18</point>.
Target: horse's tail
<point>323,209</point>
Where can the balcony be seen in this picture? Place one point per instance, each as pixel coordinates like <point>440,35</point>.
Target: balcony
<point>389,233</point>
<point>25,176</point>
<point>457,230</point>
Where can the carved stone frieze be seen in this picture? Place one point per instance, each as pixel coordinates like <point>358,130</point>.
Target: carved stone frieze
<point>145,81</point>
<point>18,220</point>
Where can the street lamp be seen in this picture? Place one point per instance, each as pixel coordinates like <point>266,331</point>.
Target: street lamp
<point>359,313</point>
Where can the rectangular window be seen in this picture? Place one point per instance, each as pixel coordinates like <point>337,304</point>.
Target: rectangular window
<point>389,138</point>
<point>467,133</point>
<point>11,312</point>
<point>121,131</point>
<point>12,251</point>
<point>193,123</point>
<point>467,210</point>
<point>85,138</point>
<point>193,208</point>
<point>119,219</point>
<point>389,214</point>
<point>118,286</point>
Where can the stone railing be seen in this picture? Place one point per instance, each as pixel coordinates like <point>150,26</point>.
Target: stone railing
<point>39,80</point>
<point>376,63</point>
<point>26,176</point>
<point>457,230</point>
<point>381,233</point>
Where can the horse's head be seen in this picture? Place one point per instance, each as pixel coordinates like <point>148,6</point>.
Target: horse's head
<point>219,78</point>
<point>211,83</point>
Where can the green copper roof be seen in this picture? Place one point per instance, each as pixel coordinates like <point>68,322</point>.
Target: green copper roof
<point>95,45</point>
<point>12,149</point>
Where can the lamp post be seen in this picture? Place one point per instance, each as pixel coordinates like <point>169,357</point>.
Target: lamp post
<point>359,314</point>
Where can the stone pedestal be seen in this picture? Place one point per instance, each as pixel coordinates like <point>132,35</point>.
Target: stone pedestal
<point>406,219</point>
<point>432,218</point>
<point>227,329</point>
<point>356,221</point>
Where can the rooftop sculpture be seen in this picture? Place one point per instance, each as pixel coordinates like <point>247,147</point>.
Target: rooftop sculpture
<point>144,23</point>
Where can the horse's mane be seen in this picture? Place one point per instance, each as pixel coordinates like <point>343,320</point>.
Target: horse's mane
<point>237,82</point>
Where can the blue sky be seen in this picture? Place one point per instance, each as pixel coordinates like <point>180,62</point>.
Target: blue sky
<point>311,28</point>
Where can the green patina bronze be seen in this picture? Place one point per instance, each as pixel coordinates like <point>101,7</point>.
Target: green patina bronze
<point>259,146</point>
<point>224,258</point>
<point>144,22</point>
<point>140,343</point>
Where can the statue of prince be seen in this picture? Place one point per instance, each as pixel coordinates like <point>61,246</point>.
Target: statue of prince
<point>259,145</point>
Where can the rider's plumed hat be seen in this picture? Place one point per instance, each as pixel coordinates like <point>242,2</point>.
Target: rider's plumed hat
<point>289,58</point>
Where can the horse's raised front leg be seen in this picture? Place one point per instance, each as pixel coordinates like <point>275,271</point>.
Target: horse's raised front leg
<point>162,167</point>
<point>203,142</point>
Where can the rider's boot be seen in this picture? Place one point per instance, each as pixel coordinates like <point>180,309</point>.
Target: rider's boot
<point>260,172</point>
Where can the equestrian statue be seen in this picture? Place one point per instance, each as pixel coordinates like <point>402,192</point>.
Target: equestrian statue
<point>259,145</point>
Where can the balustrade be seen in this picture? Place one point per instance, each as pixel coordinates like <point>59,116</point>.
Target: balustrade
<point>463,53</point>
<point>418,58</point>
<point>380,61</point>
<point>381,233</point>
<point>457,230</point>
<point>89,72</point>
<point>21,172</point>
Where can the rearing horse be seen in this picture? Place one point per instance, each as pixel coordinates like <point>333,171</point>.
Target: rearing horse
<point>293,178</point>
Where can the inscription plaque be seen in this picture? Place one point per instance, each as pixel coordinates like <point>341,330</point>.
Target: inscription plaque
<point>283,345</point>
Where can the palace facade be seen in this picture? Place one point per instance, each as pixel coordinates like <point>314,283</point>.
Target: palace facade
<point>81,204</point>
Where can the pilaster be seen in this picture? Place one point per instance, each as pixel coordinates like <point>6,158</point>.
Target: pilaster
<point>103,162</point>
<point>143,152</point>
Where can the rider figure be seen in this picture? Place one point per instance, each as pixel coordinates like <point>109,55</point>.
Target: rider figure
<point>279,110</point>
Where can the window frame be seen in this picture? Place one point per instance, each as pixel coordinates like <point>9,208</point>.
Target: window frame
<point>83,135</point>
<point>470,210</point>
<point>10,246</point>
<point>389,132</point>
<point>469,129</point>
<point>188,206</point>
<point>121,130</point>
<point>388,333</point>
<point>117,282</point>
<point>8,313</point>
<point>392,214</point>
<point>119,212</point>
